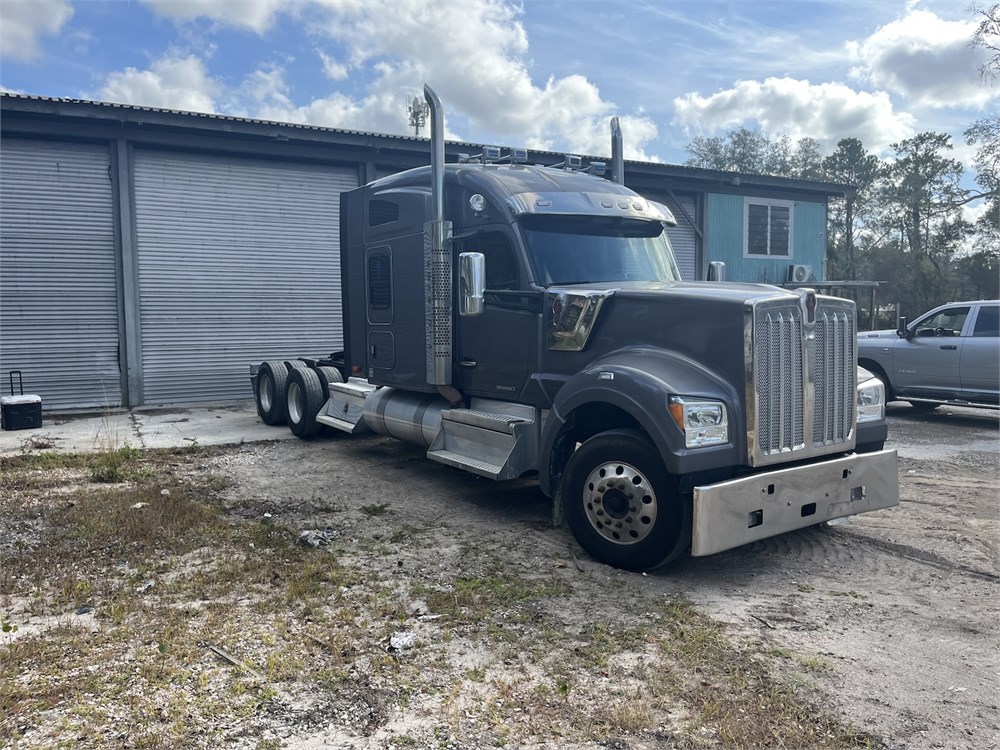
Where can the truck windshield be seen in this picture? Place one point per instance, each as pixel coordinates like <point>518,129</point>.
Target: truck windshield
<point>583,249</point>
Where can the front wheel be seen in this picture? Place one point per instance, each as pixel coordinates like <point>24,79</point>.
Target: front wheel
<point>622,505</point>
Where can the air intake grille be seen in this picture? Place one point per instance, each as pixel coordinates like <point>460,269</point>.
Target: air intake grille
<point>778,363</point>
<point>792,417</point>
<point>834,375</point>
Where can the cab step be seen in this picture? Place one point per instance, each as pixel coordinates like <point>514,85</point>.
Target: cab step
<point>487,443</point>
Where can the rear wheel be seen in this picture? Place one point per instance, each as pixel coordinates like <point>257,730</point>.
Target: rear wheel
<point>328,375</point>
<point>622,505</point>
<point>304,400</point>
<point>272,380</point>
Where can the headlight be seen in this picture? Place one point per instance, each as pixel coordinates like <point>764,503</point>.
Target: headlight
<point>871,401</point>
<point>704,422</point>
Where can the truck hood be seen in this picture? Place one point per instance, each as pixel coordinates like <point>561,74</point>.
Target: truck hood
<point>678,290</point>
<point>701,322</point>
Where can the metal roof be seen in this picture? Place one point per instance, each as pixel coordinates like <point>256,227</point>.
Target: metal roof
<point>78,107</point>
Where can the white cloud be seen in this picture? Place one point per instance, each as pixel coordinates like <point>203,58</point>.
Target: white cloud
<point>256,15</point>
<point>22,22</point>
<point>474,53</point>
<point>925,58</point>
<point>172,82</point>
<point>332,69</point>
<point>827,112</point>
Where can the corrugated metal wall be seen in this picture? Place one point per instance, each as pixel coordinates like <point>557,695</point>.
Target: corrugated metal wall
<point>238,262</point>
<point>58,288</point>
<point>725,237</point>
<point>683,237</point>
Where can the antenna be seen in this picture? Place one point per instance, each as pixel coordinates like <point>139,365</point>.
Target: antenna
<point>417,111</point>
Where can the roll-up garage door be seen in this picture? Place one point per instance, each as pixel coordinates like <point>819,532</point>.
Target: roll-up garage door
<point>58,288</point>
<point>238,262</point>
<point>683,237</point>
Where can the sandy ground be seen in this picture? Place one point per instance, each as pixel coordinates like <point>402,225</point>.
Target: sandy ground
<point>899,607</point>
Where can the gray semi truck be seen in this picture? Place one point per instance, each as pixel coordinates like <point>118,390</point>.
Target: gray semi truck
<point>518,320</point>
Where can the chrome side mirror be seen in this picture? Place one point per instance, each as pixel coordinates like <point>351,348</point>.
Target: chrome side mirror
<point>471,283</point>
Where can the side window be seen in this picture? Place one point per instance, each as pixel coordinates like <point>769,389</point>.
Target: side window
<point>501,263</point>
<point>988,322</point>
<point>948,322</point>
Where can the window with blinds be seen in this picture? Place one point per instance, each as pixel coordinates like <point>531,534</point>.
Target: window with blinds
<point>768,230</point>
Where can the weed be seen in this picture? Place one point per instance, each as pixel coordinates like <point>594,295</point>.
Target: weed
<point>375,509</point>
<point>815,663</point>
<point>111,466</point>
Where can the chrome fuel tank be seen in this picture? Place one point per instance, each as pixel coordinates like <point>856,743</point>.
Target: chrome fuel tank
<point>405,415</point>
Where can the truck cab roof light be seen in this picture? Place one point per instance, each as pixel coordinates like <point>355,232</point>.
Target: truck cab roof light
<point>570,162</point>
<point>597,168</point>
<point>488,155</point>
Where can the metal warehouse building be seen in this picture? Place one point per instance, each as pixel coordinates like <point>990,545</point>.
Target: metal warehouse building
<point>149,256</point>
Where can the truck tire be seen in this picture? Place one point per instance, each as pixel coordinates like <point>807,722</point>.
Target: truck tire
<point>304,400</point>
<point>272,381</point>
<point>621,504</point>
<point>328,375</point>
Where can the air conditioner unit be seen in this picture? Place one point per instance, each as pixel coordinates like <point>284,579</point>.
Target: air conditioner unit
<point>799,273</point>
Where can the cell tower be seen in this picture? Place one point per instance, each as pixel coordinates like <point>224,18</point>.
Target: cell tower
<point>417,110</point>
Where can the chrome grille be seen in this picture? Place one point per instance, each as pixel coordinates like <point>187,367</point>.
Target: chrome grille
<point>804,380</point>
<point>778,379</point>
<point>834,369</point>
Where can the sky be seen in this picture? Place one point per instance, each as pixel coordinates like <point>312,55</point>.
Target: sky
<point>545,74</point>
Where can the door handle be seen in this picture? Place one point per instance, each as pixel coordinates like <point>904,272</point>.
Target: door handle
<point>948,346</point>
<point>468,363</point>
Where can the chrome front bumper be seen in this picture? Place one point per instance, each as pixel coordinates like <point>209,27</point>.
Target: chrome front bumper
<point>744,510</point>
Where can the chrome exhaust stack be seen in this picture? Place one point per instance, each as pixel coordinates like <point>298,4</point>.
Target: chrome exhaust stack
<point>437,265</point>
<point>617,155</point>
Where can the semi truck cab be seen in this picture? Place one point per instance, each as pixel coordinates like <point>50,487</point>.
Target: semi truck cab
<point>519,320</point>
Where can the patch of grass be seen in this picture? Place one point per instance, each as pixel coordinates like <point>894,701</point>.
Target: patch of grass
<point>815,663</point>
<point>112,466</point>
<point>143,519</point>
<point>375,509</point>
<point>479,597</point>
<point>736,694</point>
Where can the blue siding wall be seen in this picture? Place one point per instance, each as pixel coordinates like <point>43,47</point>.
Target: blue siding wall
<point>724,228</point>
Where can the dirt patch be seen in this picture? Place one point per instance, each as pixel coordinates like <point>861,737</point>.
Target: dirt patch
<point>444,611</point>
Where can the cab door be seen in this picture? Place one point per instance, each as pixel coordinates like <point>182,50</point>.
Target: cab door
<point>497,350</point>
<point>980,361</point>
<point>927,363</point>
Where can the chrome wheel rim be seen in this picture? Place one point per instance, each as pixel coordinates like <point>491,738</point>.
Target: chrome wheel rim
<point>619,502</point>
<point>295,402</point>
<point>264,390</point>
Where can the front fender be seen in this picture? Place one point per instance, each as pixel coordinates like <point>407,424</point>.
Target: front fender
<point>639,380</point>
